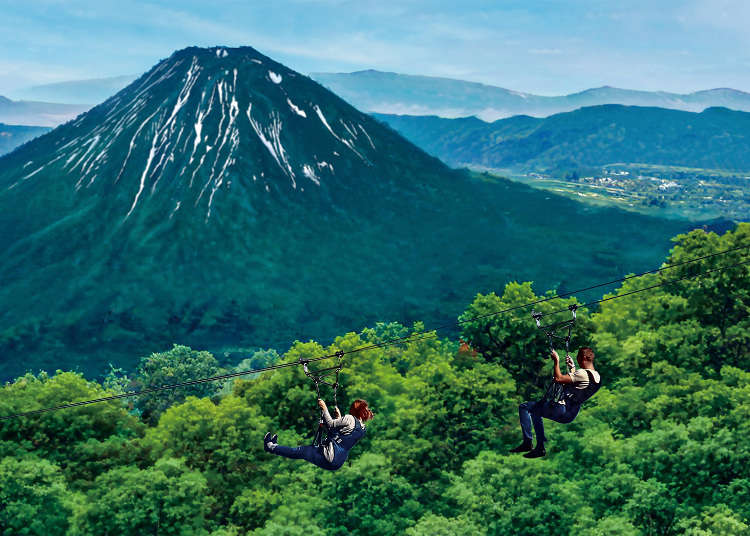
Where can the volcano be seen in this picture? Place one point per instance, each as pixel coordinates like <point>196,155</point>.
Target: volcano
<point>225,201</point>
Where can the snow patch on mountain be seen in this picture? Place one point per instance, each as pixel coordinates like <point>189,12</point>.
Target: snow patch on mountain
<point>185,119</point>
<point>273,141</point>
<point>161,140</point>
<point>310,174</point>
<point>323,165</point>
<point>295,108</point>
<point>346,142</point>
<point>176,208</point>
<point>275,78</point>
<point>366,134</point>
<point>33,173</point>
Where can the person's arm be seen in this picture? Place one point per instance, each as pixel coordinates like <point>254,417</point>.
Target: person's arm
<point>338,422</point>
<point>571,365</point>
<point>558,375</point>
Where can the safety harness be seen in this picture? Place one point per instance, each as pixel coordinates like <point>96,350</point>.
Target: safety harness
<point>576,397</point>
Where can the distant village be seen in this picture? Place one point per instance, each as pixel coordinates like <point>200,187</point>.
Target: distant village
<point>704,193</point>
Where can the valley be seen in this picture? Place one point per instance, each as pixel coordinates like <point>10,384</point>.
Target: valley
<point>666,163</point>
<point>663,191</point>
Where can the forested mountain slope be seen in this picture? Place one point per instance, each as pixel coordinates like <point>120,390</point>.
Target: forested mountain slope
<point>716,138</point>
<point>658,450</point>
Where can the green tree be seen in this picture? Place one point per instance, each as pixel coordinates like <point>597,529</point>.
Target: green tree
<point>34,499</point>
<point>56,434</point>
<point>513,340</point>
<point>180,364</point>
<point>167,498</point>
<point>716,520</point>
<point>653,508</point>
<point>223,441</point>
<point>370,499</point>
<point>512,495</point>
<point>613,525</point>
<point>698,324</point>
<point>434,525</point>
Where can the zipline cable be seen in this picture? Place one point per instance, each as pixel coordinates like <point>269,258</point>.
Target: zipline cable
<point>602,300</point>
<point>558,296</point>
<point>425,334</point>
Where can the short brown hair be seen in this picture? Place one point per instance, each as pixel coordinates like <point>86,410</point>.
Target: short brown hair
<point>586,354</point>
<point>360,410</point>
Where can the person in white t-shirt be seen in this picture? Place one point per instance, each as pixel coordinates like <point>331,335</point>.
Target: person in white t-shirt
<point>578,386</point>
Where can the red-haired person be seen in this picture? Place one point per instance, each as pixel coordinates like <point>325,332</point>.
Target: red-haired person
<point>343,434</point>
<point>578,386</point>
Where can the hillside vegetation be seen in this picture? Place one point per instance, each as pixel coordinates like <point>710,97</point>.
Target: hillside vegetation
<point>658,451</point>
<point>716,138</point>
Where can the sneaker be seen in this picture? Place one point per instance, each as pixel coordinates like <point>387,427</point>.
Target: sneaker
<point>523,447</point>
<point>268,442</point>
<point>538,452</point>
<point>275,438</point>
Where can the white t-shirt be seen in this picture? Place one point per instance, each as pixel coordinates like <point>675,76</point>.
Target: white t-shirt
<point>581,379</point>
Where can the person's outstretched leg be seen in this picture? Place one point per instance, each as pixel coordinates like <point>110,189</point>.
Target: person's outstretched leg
<point>524,416</point>
<point>303,452</point>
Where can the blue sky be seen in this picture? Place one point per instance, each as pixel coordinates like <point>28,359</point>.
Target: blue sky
<point>546,47</point>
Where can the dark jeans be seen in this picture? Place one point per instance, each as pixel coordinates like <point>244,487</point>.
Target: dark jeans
<point>313,455</point>
<point>529,412</point>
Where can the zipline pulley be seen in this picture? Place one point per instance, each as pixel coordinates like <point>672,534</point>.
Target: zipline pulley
<point>555,390</point>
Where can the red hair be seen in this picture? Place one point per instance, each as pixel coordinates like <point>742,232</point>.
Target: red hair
<point>360,410</point>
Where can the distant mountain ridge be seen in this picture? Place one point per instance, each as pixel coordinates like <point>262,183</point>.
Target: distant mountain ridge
<point>223,200</point>
<point>90,91</point>
<point>402,94</point>
<point>716,138</point>
<point>32,113</point>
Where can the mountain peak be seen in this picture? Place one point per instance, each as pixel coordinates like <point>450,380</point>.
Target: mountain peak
<point>211,194</point>
<point>206,120</point>
<point>218,51</point>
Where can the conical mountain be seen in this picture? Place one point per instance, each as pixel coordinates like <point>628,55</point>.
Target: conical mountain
<point>223,200</point>
<point>180,133</point>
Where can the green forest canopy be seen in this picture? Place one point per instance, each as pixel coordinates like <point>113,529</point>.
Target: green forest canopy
<point>659,451</point>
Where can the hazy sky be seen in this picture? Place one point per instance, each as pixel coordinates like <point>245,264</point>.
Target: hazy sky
<point>546,47</point>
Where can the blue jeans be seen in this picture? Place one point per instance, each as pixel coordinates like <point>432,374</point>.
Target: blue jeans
<point>535,411</point>
<point>313,455</point>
